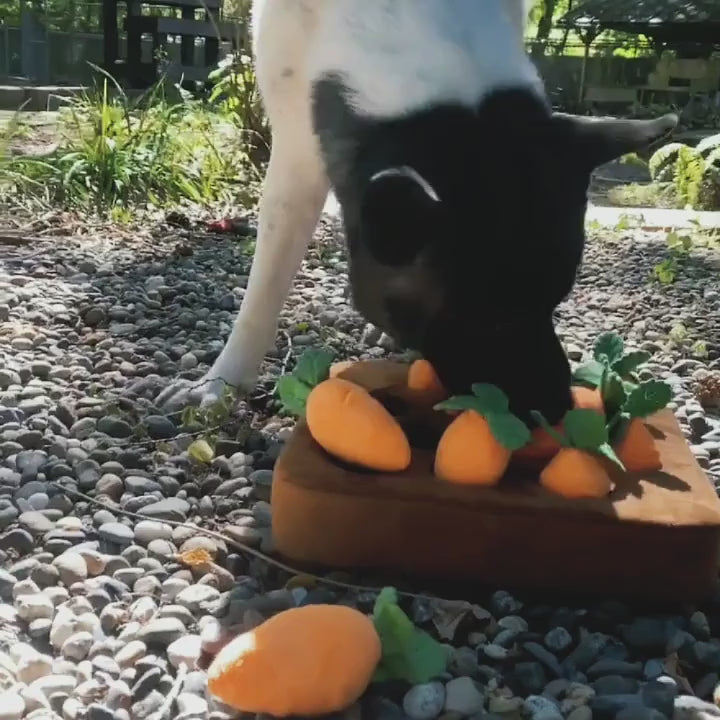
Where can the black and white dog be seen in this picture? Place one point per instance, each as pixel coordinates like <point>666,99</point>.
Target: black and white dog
<point>463,195</point>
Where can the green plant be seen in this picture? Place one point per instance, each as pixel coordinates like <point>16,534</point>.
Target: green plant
<point>235,90</point>
<point>692,172</point>
<point>202,449</point>
<point>117,153</point>
<point>312,367</point>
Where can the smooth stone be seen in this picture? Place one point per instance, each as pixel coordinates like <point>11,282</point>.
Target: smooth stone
<point>424,702</point>
<point>463,696</point>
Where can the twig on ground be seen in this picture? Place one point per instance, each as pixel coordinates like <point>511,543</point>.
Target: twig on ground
<point>246,549</point>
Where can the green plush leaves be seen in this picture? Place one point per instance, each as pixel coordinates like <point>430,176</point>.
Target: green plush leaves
<point>648,398</point>
<point>312,368</point>
<point>490,398</point>
<point>589,374</point>
<point>613,392</point>
<point>510,432</point>
<point>630,363</point>
<point>609,348</point>
<point>549,429</point>
<point>408,653</point>
<point>585,429</point>
<point>609,354</point>
<point>491,403</point>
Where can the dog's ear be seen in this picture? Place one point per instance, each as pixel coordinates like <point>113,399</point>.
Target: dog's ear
<point>400,209</point>
<point>596,141</point>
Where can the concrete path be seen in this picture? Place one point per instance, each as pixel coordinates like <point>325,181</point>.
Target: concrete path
<point>644,218</point>
<point>653,218</point>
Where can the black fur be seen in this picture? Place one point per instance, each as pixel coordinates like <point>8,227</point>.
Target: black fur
<point>471,281</point>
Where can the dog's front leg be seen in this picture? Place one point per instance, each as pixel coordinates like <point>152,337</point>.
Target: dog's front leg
<point>292,200</point>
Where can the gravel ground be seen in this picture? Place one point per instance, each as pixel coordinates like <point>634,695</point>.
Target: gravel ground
<point>99,618</point>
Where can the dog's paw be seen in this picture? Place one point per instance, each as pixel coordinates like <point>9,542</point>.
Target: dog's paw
<point>203,393</point>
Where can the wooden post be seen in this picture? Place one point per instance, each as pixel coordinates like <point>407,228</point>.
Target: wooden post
<point>110,35</point>
<point>588,37</point>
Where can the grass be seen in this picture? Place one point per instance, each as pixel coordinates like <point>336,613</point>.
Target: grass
<point>654,195</point>
<point>117,154</point>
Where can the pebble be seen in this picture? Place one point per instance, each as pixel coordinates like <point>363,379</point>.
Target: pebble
<point>424,702</point>
<point>463,696</point>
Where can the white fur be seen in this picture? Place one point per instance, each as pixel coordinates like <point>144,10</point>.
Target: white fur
<point>395,56</point>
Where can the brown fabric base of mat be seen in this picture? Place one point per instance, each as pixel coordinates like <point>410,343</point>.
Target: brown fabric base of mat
<point>656,535</point>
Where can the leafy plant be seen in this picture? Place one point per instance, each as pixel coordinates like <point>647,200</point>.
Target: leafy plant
<point>202,448</point>
<point>116,152</point>
<point>492,403</point>
<point>692,172</point>
<point>312,367</point>
<point>236,91</point>
<point>408,653</point>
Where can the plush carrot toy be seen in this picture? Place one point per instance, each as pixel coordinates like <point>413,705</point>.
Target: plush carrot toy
<point>352,425</point>
<point>316,660</point>
<point>628,402</point>
<point>343,418</point>
<point>578,470</point>
<point>476,447</point>
<point>543,446</point>
<point>423,383</point>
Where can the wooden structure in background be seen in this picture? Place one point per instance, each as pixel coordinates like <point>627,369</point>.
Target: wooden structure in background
<point>688,28</point>
<point>197,19</point>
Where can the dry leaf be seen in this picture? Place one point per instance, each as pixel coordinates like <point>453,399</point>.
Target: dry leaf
<point>448,616</point>
<point>195,558</point>
<point>672,668</point>
<point>301,581</point>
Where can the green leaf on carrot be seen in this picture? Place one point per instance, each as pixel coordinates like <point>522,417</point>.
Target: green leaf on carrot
<point>613,392</point>
<point>606,450</point>
<point>408,653</point>
<point>549,429</point>
<point>627,364</point>
<point>509,431</point>
<point>491,398</point>
<point>589,374</point>
<point>609,347</point>
<point>585,429</point>
<point>648,398</point>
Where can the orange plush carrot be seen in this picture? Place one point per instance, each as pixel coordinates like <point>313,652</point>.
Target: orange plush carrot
<point>353,426</point>
<point>636,448</point>
<point>587,399</point>
<point>476,447</point>
<point>578,469</point>
<point>306,661</point>
<point>575,473</point>
<point>469,453</point>
<point>424,384</point>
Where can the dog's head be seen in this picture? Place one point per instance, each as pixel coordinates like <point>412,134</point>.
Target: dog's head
<point>464,252</point>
